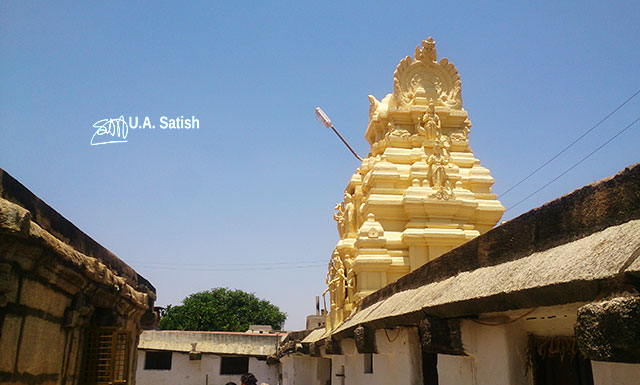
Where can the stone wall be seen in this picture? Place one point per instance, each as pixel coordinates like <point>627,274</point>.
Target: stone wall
<point>58,288</point>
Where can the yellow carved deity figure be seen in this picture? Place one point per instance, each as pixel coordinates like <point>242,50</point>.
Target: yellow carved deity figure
<point>419,193</point>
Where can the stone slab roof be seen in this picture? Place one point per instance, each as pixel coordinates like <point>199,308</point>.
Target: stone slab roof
<point>25,217</point>
<point>246,344</point>
<point>574,272</point>
<point>315,335</point>
<point>57,225</point>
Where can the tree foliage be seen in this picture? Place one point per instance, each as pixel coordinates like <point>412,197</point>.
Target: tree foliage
<point>222,309</point>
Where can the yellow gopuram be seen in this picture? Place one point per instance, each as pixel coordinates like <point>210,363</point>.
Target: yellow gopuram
<point>419,193</point>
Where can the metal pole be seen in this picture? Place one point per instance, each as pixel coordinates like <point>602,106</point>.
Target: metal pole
<point>324,119</point>
<point>345,143</point>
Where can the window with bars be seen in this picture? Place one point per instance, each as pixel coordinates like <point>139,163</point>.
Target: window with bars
<point>106,357</point>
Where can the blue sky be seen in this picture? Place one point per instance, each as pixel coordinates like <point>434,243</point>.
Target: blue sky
<point>253,189</point>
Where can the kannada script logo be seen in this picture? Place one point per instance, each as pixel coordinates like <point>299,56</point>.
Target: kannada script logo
<point>110,131</point>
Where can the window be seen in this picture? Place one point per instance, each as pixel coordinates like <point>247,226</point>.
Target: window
<point>106,357</point>
<point>368,363</point>
<point>157,360</point>
<point>234,365</point>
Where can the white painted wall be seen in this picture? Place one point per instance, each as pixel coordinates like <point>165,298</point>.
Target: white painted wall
<point>612,373</point>
<point>186,372</point>
<point>305,370</point>
<point>399,360</point>
<point>297,370</point>
<point>455,370</point>
<point>338,368</point>
<point>498,352</point>
<point>287,369</point>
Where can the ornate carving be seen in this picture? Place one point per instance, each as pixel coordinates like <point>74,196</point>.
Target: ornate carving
<point>396,133</point>
<point>437,170</point>
<point>373,106</point>
<point>350,221</point>
<point>466,128</point>
<point>437,162</point>
<point>331,283</point>
<point>350,284</point>
<point>462,135</point>
<point>443,194</point>
<point>430,126</point>
<point>336,280</point>
<point>340,279</point>
<point>365,339</point>
<point>428,51</point>
<point>332,346</point>
<point>339,218</point>
<point>417,81</point>
<point>440,336</point>
<point>400,133</point>
<point>346,217</point>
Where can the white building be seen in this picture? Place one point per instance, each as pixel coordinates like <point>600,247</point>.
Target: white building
<point>172,357</point>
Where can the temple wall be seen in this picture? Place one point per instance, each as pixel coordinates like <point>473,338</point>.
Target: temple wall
<point>43,325</point>
<point>496,350</point>
<point>497,354</point>
<point>455,370</point>
<point>61,292</point>
<point>305,370</point>
<point>33,340</point>
<point>398,360</point>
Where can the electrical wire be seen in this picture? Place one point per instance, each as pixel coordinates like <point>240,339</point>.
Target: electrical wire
<point>575,165</point>
<point>149,263</point>
<point>503,323</point>
<point>395,338</point>
<point>230,269</point>
<point>570,145</point>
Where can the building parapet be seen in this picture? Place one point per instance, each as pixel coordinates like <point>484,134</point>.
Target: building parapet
<point>223,343</point>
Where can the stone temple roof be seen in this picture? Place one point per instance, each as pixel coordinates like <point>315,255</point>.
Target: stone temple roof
<point>25,217</point>
<point>582,246</point>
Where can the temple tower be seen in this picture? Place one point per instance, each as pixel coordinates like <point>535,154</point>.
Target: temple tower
<point>419,193</point>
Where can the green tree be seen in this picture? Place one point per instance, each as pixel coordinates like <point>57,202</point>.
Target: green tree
<point>221,309</point>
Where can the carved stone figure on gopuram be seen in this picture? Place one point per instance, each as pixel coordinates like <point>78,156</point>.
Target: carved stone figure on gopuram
<point>419,193</point>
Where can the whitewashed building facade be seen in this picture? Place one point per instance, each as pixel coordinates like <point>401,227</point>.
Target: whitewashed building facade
<point>171,357</point>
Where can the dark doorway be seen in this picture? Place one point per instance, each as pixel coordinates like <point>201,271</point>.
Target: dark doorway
<point>430,368</point>
<point>556,360</point>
